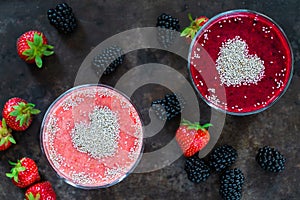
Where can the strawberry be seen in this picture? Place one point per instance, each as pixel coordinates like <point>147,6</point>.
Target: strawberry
<point>194,27</point>
<point>40,191</point>
<point>18,113</point>
<point>24,172</point>
<point>6,138</point>
<point>32,46</point>
<point>192,137</point>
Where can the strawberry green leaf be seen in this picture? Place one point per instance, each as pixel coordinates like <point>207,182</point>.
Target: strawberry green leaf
<point>185,32</point>
<point>195,126</point>
<point>193,34</point>
<point>190,17</point>
<point>48,53</point>
<point>207,125</point>
<point>28,52</point>
<point>37,39</point>
<point>16,178</point>
<point>2,141</point>
<point>22,120</point>
<point>38,61</point>
<point>22,103</point>
<point>14,172</point>
<point>50,47</point>
<point>30,196</point>
<point>4,126</point>
<point>12,140</point>
<point>35,111</point>
<point>12,163</point>
<point>14,113</point>
<point>28,105</point>
<point>30,44</point>
<point>17,107</point>
<point>9,175</point>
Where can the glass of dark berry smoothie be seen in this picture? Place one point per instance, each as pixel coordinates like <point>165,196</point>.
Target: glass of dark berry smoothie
<point>92,136</point>
<point>240,62</point>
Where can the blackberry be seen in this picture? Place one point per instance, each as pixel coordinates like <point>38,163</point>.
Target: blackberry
<point>62,18</point>
<point>108,60</point>
<point>270,159</point>
<point>168,28</point>
<point>231,182</point>
<point>222,157</point>
<point>197,170</point>
<point>168,107</point>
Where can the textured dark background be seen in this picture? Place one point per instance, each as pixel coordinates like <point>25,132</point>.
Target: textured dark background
<point>278,126</point>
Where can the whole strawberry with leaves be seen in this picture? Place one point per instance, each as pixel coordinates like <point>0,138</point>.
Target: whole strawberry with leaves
<point>192,137</point>
<point>194,27</point>
<point>6,138</point>
<point>24,172</point>
<point>40,191</point>
<point>18,113</point>
<point>32,46</point>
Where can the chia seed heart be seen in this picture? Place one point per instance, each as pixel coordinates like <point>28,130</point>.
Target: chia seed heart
<point>235,66</point>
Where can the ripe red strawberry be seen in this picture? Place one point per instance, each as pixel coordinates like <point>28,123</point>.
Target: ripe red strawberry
<point>192,137</point>
<point>6,138</point>
<point>194,27</point>
<point>40,191</point>
<point>32,46</point>
<point>24,172</point>
<point>18,113</point>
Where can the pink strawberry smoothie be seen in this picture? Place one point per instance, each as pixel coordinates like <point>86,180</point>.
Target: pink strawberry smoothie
<point>92,136</point>
<point>241,62</point>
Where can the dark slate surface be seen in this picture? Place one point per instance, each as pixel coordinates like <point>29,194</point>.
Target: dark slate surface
<point>278,126</point>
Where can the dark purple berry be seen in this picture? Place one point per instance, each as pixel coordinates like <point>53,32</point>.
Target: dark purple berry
<point>222,157</point>
<point>62,18</point>
<point>168,28</point>
<point>270,159</point>
<point>168,107</point>
<point>108,60</point>
<point>197,170</point>
<point>231,183</point>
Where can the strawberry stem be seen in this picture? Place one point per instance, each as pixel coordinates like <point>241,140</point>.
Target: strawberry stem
<point>3,130</point>
<point>5,134</point>
<point>30,196</point>
<point>190,17</point>
<point>14,172</point>
<point>23,112</point>
<point>194,26</point>
<point>37,49</point>
<point>195,125</point>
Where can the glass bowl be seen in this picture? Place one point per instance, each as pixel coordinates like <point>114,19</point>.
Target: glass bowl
<point>240,62</point>
<point>92,136</point>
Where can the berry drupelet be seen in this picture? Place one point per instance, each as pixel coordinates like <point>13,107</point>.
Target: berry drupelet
<point>197,170</point>
<point>231,182</point>
<point>168,28</point>
<point>62,17</point>
<point>222,157</point>
<point>108,60</point>
<point>270,159</point>
<point>168,107</point>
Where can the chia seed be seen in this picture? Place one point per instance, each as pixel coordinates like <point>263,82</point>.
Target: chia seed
<point>99,138</point>
<point>235,66</point>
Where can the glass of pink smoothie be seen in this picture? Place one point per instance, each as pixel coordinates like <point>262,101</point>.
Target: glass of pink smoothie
<point>240,62</point>
<point>92,136</point>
